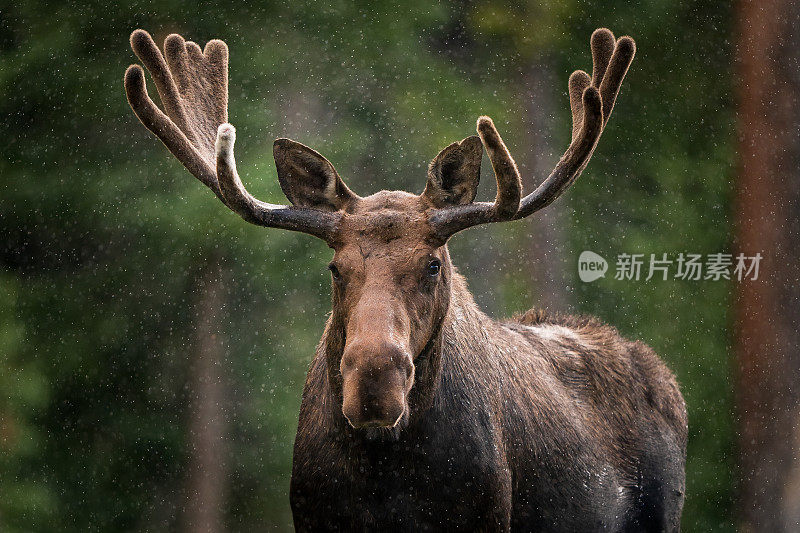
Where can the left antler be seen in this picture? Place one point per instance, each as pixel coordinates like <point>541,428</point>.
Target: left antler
<point>193,86</point>
<point>591,102</point>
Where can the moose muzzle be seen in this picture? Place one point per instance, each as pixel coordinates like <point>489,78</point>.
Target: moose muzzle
<point>376,380</point>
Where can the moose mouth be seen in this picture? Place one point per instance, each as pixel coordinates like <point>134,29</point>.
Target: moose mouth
<point>368,425</point>
<point>375,431</point>
<point>372,424</point>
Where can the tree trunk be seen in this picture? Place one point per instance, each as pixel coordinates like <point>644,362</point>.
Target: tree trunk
<point>207,472</point>
<point>768,221</point>
<point>545,253</point>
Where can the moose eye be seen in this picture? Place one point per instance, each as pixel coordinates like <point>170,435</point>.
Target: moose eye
<point>433,268</point>
<point>334,272</point>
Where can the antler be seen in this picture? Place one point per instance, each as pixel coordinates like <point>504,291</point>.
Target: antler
<point>591,102</point>
<point>193,87</point>
<point>449,220</point>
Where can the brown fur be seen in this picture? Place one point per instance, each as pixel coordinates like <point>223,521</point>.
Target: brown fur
<point>538,423</point>
<point>419,412</point>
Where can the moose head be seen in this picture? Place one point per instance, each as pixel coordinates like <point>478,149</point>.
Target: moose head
<point>391,272</point>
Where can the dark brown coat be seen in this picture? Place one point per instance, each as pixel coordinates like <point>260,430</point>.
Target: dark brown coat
<point>533,424</point>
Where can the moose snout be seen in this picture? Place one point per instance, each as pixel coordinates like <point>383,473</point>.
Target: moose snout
<point>375,384</point>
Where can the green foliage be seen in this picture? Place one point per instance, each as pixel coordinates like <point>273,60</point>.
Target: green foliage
<point>662,184</point>
<point>104,233</point>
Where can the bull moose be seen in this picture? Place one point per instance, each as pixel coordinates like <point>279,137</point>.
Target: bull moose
<point>420,412</point>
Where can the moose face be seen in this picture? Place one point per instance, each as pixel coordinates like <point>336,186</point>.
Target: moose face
<point>390,271</point>
<point>390,284</point>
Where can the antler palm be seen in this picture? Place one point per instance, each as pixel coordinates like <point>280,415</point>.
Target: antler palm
<point>193,87</point>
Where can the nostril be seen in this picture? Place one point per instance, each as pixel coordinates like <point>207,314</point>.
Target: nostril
<point>376,379</point>
<point>367,403</point>
<point>349,363</point>
<point>347,360</point>
<point>407,365</point>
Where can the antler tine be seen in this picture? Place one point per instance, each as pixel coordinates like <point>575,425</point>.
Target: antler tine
<point>602,44</point>
<point>450,220</point>
<point>617,68</point>
<point>146,50</point>
<point>509,182</point>
<point>313,221</point>
<point>578,82</point>
<point>591,103</point>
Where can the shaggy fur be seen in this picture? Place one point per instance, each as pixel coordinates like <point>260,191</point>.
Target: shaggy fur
<point>419,412</point>
<point>535,424</point>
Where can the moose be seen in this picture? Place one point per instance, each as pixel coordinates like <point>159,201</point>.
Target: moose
<point>419,412</point>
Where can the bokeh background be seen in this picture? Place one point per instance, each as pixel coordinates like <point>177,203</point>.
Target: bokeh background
<point>153,346</point>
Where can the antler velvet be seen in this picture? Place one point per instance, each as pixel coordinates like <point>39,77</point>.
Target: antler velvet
<point>193,87</point>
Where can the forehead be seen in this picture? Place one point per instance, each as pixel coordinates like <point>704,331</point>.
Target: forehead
<point>386,220</point>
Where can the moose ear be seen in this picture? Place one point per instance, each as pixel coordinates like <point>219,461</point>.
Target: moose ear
<point>453,175</point>
<point>308,179</point>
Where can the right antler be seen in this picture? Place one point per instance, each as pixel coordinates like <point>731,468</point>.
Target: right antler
<point>591,101</point>
<point>193,86</point>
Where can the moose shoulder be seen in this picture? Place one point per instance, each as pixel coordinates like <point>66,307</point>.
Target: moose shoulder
<point>420,412</point>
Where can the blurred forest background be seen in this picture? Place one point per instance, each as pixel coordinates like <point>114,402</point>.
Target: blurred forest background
<point>153,346</point>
